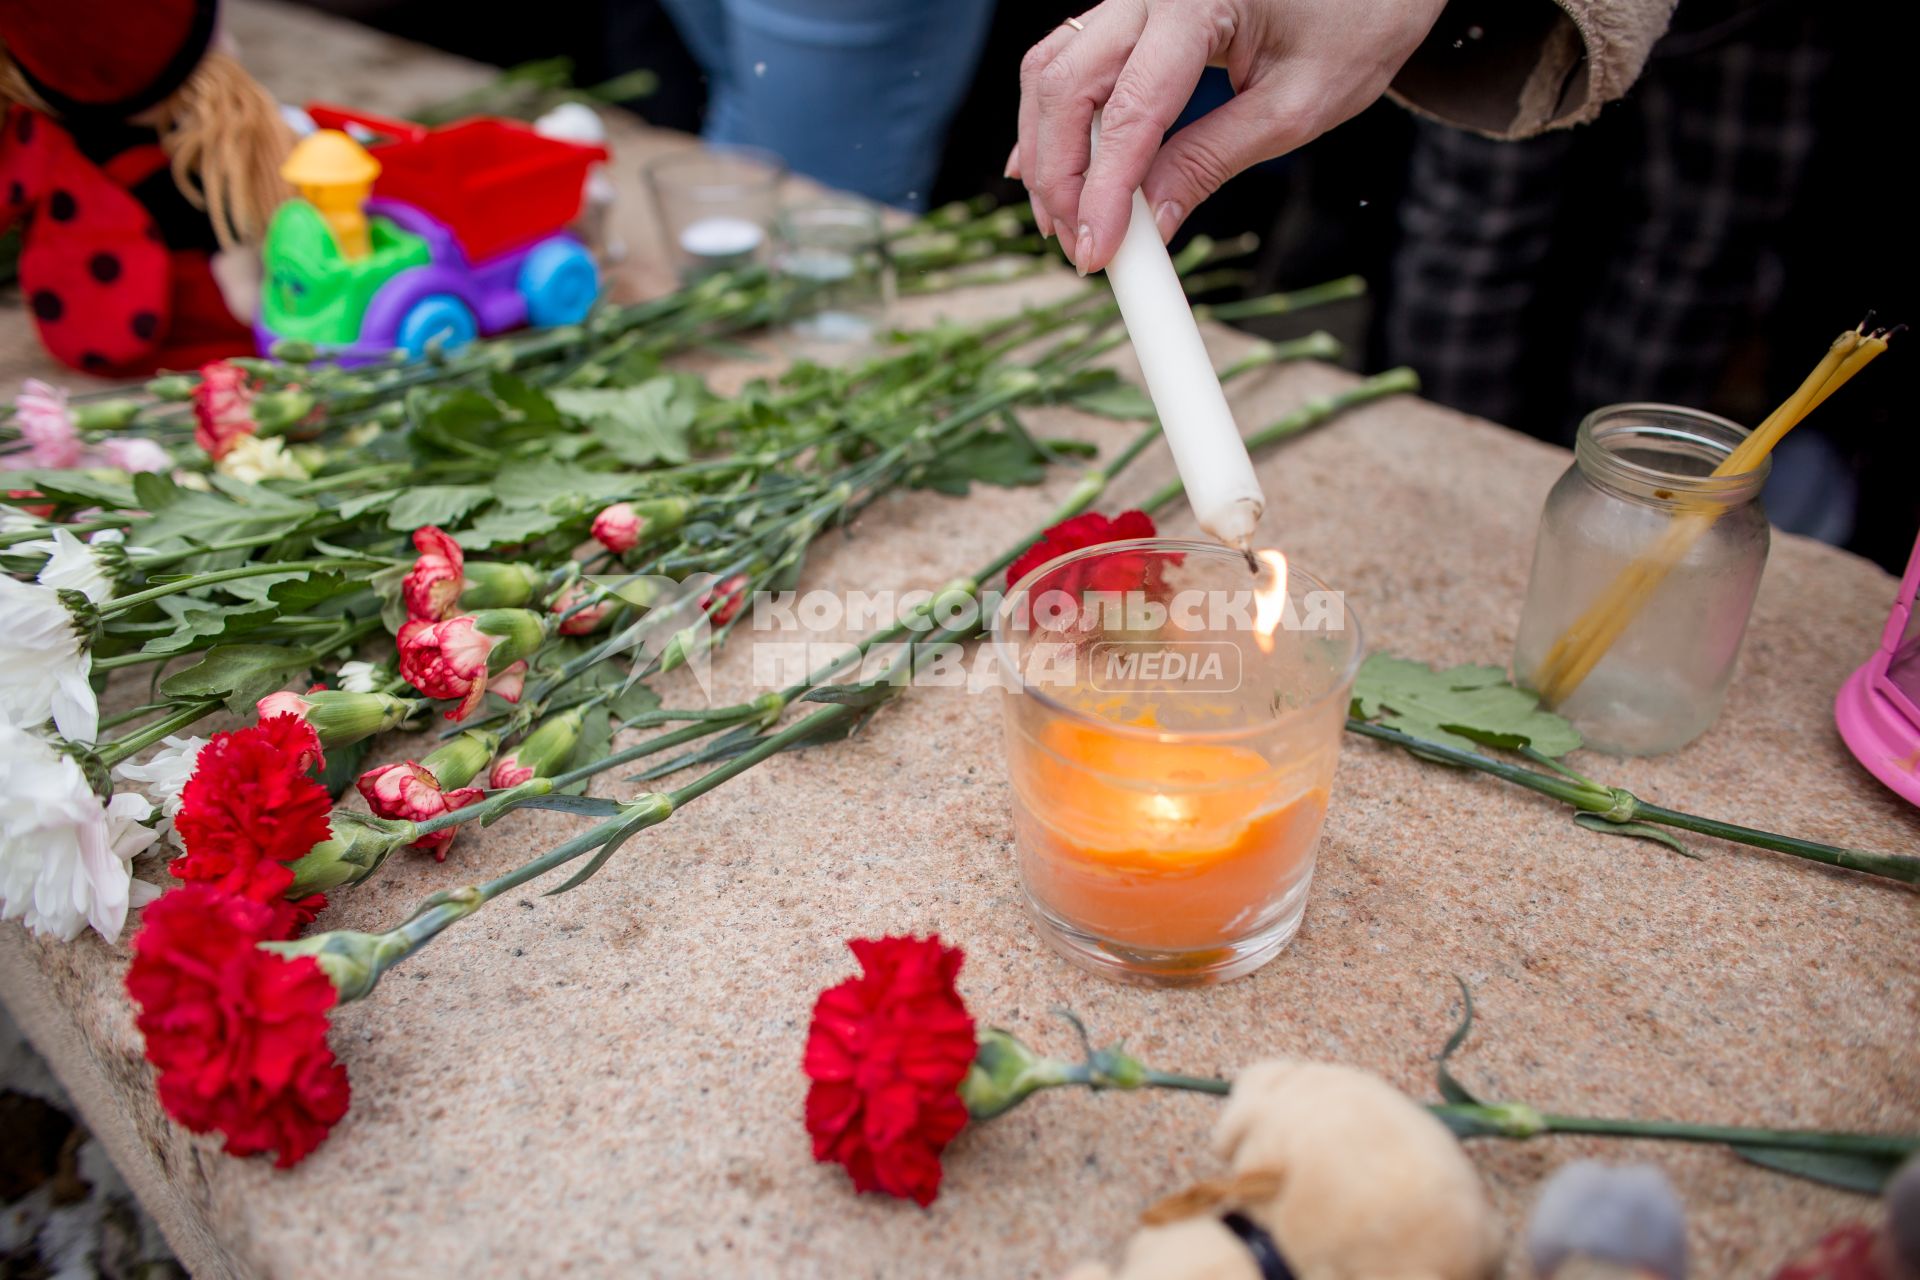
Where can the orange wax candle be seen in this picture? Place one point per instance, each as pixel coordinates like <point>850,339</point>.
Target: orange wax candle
<point>1157,844</point>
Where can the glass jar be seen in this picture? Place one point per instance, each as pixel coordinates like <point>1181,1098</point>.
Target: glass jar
<point>1640,494</point>
<point>832,258</point>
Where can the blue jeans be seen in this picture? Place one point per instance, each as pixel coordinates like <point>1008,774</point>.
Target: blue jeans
<point>856,94</point>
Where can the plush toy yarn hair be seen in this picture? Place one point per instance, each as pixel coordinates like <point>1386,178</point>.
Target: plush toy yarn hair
<point>223,135</point>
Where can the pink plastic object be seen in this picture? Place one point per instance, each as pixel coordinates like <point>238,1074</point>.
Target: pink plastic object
<point>1878,708</point>
<point>496,184</point>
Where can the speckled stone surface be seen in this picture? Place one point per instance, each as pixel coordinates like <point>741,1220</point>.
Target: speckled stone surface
<point>608,1083</point>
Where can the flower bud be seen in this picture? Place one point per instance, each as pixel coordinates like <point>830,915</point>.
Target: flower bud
<point>621,527</point>
<point>1005,1072</point>
<point>519,632</point>
<point>541,753</point>
<point>294,351</point>
<point>337,716</point>
<point>359,844</point>
<point>175,388</point>
<point>493,584</point>
<point>277,411</point>
<point>462,758</point>
<point>104,415</point>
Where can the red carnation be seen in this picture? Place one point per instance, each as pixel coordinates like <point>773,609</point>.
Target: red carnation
<point>886,1053</point>
<point>409,792</point>
<point>223,408</point>
<point>238,1035</point>
<point>432,587</point>
<point>1113,573</point>
<point>723,601</point>
<point>250,808</point>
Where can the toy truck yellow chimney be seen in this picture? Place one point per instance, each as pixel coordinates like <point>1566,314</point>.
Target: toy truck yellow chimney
<point>335,175</point>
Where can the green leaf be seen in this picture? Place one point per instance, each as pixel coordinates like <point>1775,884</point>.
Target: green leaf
<point>584,806</point>
<point>240,673</point>
<point>438,504</point>
<point>1450,1088</point>
<point>189,518</point>
<point>525,399</point>
<point>994,457</point>
<point>544,483</point>
<point>195,621</point>
<point>870,693</point>
<point>83,488</point>
<point>1457,707</point>
<point>1635,830</point>
<point>640,425</point>
<point>1849,1172</point>
<point>632,700</point>
<point>1112,398</point>
<point>506,525</point>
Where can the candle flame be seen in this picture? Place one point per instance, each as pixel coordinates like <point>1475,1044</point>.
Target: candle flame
<point>1270,601</point>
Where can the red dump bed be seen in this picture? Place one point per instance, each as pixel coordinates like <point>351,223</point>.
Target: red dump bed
<point>496,184</point>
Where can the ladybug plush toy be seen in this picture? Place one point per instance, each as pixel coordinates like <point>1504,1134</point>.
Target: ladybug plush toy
<point>133,153</point>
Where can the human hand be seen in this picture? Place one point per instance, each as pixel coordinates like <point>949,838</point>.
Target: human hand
<point>1298,68</point>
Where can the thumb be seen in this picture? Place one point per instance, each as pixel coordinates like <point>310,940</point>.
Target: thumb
<point>1195,162</point>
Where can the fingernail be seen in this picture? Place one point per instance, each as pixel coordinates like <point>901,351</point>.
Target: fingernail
<point>1013,164</point>
<point>1041,222</point>
<point>1083,249</point>
<point>1167,218</point>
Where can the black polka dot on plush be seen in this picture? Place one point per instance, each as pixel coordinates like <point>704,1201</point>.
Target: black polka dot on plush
<point>25,127</point>
<point>104,267</point>
<point>47,305</point>
<point>16,194</point>
<point>61,206</point>
<point>94,362</point>
<point>145,324</point>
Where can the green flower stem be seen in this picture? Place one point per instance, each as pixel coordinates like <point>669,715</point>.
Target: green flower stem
<point>1309,415</point>
<point>1885,1146</point>
<point>1893,866</point>
<point>1618,805</point>
<point>140,739</point>
<point>1281,303</point>
<point>35,535</point>
<point>121,604</point>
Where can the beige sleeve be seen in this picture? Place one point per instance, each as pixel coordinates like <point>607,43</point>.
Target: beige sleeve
<point>1514,68</point>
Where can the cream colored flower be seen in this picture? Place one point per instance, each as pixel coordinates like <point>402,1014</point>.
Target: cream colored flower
<point>253,459</point>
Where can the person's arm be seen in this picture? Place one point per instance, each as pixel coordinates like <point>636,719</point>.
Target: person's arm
<point>1514,68</point>
<point>1299,67</point>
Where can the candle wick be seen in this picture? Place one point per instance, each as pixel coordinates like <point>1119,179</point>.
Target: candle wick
<point>1253,562</point>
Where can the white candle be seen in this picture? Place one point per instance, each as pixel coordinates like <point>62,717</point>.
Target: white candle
<point>721,236</point>
<point>1207,448</point>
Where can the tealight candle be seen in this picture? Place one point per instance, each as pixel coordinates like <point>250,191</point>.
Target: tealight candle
<point>1170,770</point>
<point>720,240</point>
<point>1207,449</point>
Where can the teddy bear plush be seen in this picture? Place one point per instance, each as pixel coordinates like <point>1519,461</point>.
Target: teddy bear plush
<point>1336,1175</point>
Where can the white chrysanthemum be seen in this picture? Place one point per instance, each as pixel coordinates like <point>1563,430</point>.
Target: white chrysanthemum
<point>44,663</point>
<point>72,565</point>
<point>164,774</point>
<point>362,677</point>
<point>65,861</point>
<point>253,459</point>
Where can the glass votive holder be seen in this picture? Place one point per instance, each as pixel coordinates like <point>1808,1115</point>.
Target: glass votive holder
<point>1640,532</point>
<point>1172,726</point>
<point>838,281</point>
<point>716,206</point>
